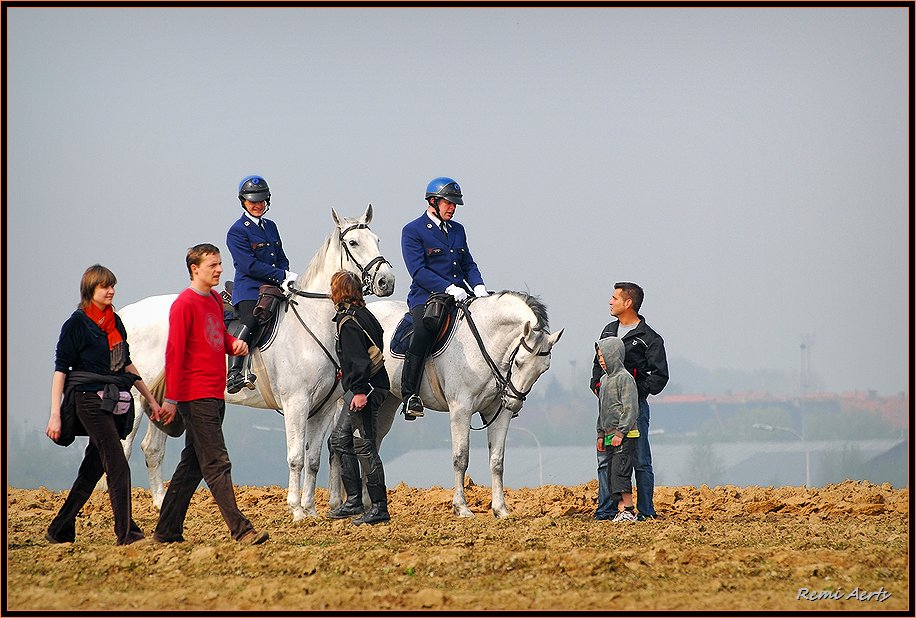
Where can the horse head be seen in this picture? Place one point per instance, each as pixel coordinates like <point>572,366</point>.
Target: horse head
<point>359,253</point>
<point>531,360</point>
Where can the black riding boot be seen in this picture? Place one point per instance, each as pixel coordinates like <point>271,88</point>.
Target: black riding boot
<point>379,511</point>
<point>349,474</point>
<point>236,377</point>
<point>410,384</point>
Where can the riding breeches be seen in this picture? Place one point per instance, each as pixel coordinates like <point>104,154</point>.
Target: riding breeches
<point>353,438</point>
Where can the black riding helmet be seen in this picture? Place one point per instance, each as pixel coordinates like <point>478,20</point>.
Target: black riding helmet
<point>254,189</point>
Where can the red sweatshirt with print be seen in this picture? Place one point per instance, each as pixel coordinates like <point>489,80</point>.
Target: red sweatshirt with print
<point>195,355</point>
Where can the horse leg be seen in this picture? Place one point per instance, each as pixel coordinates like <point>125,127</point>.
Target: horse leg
<point>496,441</point>
<point>294,420</point>
<point>316,431</point>
<point>153,447</point>
<point>461,429</point>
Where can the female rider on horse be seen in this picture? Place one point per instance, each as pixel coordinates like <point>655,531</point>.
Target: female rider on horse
<point>258,258</point>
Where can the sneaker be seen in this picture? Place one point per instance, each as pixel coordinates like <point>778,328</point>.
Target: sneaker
<point>158,539</point>
<point>624,516</point>
<point>254,537</point>
<point>642,517</point>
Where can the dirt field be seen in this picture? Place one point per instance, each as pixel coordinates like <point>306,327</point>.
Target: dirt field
<point>728,548</point>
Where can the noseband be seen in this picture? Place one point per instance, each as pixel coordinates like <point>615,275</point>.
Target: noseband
<point>370,270</point>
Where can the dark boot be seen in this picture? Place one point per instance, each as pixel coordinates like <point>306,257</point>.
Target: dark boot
<point>349,475</point>
<point>236,377</point>
<point>353,506</point>
<point>376,515</point>
<point>410,384</point>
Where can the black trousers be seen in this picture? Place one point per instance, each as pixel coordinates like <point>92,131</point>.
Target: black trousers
<point>204,457</point>
<point>422,338</point>
<point>245,310</point>
<point>104,455</point>
<point>353,439</point>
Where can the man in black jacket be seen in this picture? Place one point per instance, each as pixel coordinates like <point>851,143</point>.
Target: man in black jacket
<point>645,359</point>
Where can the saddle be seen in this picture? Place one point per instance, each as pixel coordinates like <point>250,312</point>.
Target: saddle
<point>400,340</point>
<point>267,319</point>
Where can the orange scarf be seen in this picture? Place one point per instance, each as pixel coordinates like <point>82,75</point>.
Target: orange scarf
<point>106,321</point>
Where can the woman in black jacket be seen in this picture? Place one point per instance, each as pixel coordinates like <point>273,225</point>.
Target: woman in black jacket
<point>93,362</point>
<point>365,383</point>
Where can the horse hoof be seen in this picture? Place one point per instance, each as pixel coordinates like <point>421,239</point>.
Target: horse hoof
<point>462,511</point>
<point>298,515</point>
<point>502,514</point>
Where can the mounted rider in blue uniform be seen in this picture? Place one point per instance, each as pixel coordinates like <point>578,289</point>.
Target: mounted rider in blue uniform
<point>438,259</point>
<point>258,258</point>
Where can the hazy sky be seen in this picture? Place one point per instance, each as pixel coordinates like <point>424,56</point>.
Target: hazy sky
<point>747,166</point>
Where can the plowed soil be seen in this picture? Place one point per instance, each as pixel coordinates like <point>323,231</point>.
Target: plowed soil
<point>725,548</point>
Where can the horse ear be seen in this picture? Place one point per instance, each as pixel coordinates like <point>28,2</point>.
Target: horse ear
<point>555,337</point>
<point>527,330</point>
<point>335,216</point>
<point>367,218</point>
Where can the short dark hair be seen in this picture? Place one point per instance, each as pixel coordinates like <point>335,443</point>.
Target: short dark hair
<point>197,253</point>
<point>95,276</point>
<point>347,288</point>
<point>632,291</point>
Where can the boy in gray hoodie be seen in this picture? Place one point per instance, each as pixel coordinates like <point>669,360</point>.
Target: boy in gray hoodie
<point>618,407</point>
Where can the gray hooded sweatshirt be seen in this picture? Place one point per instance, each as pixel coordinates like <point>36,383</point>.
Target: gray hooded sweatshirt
<point>618,403</point>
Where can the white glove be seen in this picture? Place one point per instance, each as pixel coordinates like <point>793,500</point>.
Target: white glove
<point>459,294</point>
<point>290,278</point>
<point>480,291</point>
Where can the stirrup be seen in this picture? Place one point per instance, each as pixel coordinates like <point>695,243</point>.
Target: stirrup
<point>413,408</point>
<point>249,381</point>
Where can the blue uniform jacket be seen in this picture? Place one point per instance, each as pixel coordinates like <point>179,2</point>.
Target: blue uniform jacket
<point>257,256</point>
<point>436,261</point>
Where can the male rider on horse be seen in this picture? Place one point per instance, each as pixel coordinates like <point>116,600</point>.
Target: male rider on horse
<point>258,258</point>
<point>436,253</point>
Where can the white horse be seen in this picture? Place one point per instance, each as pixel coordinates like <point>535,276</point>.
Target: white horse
<point>490,372</point>
<point>299,362</point>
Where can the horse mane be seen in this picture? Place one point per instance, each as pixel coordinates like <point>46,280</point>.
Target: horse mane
<point>316,262</point>
<point>537,306</point>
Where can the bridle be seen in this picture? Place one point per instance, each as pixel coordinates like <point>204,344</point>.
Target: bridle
<point>507,390</point>
<point>366,272</point>
<point>368,279</point>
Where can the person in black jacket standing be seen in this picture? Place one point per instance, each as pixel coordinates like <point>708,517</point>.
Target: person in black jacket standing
<point>645,360</point>
<point>366,385</point>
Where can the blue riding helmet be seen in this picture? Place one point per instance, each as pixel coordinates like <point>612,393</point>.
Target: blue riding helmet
<point>254,189</point>
<point>446,188</point>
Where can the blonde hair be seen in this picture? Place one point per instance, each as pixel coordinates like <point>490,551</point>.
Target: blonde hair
<point>95,276</point>
<point>346,288</point>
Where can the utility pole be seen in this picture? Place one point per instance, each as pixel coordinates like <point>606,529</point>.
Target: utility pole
<point>807,341</point>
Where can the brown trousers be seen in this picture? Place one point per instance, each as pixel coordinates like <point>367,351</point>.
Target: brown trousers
<point>104,455</point>
<point>204,458</point>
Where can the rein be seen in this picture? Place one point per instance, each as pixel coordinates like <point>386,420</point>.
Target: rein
<point>369,271</point>
<point>292,303</point>
<point>504,382</point>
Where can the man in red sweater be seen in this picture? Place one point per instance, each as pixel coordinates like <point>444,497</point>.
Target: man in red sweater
<point>195,377</point>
